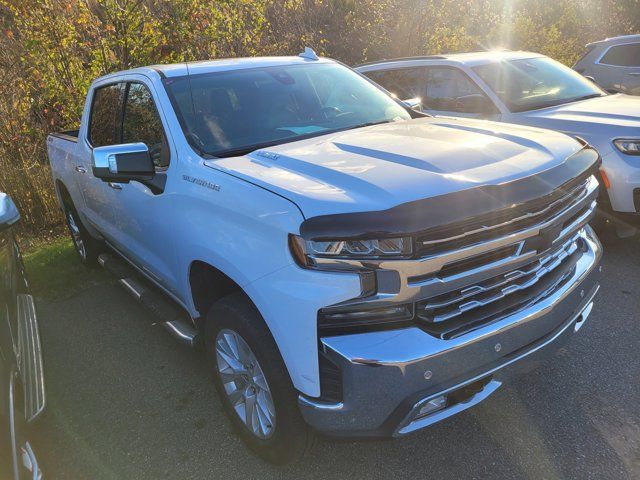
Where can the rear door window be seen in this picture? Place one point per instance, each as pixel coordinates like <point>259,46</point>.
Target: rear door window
<point>441,89</point>
<point>404,83</point>
<point>622,55</point>
<point>451,90</point>
<point>105,115</point>
<point>142,123</point>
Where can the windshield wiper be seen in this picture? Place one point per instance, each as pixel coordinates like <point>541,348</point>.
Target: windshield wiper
<point>587,97</point>
<point>369,124</point>
<point>540,106</point>
<point>236,152</point>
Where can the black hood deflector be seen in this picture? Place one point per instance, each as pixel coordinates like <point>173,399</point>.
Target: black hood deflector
<point>425,214</point>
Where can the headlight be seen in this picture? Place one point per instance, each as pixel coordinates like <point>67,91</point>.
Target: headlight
<point>327,254</point>
<point>628,146</point>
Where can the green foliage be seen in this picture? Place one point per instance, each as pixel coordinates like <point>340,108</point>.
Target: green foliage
<point>51,50</point>
<point>54,270</point>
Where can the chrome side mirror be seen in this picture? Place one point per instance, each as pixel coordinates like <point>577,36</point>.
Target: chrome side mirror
<point>123,163</point>
<point>413,103</point>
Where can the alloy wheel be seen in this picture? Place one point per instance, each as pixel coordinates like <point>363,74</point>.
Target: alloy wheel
<point>245,383</point>
<point>76,235</point>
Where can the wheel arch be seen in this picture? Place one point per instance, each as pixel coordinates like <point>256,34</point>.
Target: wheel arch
<point>208,284</point>
<point>62,192</point>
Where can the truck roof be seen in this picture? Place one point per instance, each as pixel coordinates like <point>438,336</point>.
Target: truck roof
<point>470,58</point>
<point>225,64</point>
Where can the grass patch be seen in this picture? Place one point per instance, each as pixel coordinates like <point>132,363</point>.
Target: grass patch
<point>54,270</point>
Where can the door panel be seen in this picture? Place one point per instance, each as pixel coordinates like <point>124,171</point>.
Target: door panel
<point>631,81</point>
<point>140,225</point>
<point>103,130</point>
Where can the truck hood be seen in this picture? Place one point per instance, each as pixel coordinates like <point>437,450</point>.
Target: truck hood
<point>379,167</point>
<point>609,116</point>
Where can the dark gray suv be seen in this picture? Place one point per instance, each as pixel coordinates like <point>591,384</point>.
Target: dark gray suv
<point>614,64</point>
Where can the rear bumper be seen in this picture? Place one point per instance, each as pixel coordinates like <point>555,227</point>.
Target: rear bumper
<point>389,376</point>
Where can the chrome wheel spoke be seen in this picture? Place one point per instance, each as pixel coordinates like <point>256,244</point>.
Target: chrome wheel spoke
<point>227,375</point>
<point>250,411</point>
<point>232,363</point>
<point>76,235</point>
<point>231,345</point>
<point>236,396</point>
<point>266,403</point>
<point>263,418</point>
<point>261,382</point>
<point>245,383</point>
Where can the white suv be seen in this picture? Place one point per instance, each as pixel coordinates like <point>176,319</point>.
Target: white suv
<point>529,89</point>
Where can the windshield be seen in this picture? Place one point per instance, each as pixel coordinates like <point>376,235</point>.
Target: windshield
<point>533,83</point>
<point>235,112</point>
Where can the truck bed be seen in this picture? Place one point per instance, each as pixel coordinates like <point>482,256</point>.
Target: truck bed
<point>62,149</point>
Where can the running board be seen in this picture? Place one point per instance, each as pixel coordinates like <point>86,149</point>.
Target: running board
<point>174,319</point>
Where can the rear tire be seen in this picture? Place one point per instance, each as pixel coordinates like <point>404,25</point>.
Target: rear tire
<point>87,247</point>
<point>278,436</point>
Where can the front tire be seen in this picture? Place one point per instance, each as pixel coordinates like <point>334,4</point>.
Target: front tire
<point>87,247</point>
<point>253,383</point>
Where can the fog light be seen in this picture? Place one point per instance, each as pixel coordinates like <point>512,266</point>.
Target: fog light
<point>432,406</point>
<point>363,318</point>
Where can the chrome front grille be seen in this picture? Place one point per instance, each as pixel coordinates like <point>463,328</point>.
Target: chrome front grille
<point>475,300</point>
<point>500,223</point>
<point>475,289</point>
<point>481,274</point>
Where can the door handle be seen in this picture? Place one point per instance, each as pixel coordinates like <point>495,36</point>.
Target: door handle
<point>115,186</point>
<point>634,74</point>
<point>80,169</point>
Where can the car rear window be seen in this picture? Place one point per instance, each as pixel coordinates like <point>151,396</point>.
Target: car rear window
<point>622,55</point>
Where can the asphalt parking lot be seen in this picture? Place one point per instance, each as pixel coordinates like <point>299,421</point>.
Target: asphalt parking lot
<point>125,401</point>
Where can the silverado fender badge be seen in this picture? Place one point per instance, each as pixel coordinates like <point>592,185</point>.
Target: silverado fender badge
<point>269,155</point>
<point>201,182</point>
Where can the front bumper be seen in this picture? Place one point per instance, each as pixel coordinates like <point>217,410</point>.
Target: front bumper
<point>388,376</point>
<point>623,173</point>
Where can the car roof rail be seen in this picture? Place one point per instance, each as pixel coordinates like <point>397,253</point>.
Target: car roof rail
<point>620,38</point>
<point>417,57</point>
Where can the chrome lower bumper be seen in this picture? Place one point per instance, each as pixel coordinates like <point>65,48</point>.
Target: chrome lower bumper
<point>388,376</point>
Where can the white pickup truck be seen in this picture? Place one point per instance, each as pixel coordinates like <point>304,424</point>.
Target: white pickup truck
<point>348,264</point>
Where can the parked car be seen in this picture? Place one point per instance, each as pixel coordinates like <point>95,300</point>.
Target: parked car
<point>614,64</point>
<point>534,90</point>
<point>22,398</point>
<point>349,264</point>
